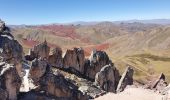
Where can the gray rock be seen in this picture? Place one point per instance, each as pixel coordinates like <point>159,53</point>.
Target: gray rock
<point>56,58</point>
<point>126,79</point>
<point>92,91</point>
<point>3,94</point>
<point>10,82</point>
<point>37,70</point>
<point>96,61</point>
<point>74,59</point>
<point>107,78</point>
<point>58,86</point>
<point>10,50</point>
<point>41,50</point>
<point>158,84</point>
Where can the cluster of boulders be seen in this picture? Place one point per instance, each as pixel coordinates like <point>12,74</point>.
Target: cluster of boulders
<point>98,67</point>
<point>44,72</point>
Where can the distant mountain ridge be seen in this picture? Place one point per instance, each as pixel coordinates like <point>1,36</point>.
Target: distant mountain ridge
<point>149,21</point>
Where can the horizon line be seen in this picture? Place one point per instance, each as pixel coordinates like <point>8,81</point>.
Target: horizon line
<point>97,21</point>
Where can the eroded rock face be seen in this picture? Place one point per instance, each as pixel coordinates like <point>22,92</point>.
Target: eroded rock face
<point>10,50</point>
<point>126,79</point>
<point>53,83</point>
<point>97,60</point>
<point>158,84</point>
<point>3,94</point>
<point>10,82</point>
<point>56,58</point>
<point>2,25</point>
<point>41,50</point>
<point>74,59</point>
<point>58,86</point>
<point>37,70</point>
<point>107,78</point>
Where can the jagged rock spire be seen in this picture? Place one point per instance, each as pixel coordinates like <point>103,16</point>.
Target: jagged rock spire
<point>45,42</point>
<point>2,25</point>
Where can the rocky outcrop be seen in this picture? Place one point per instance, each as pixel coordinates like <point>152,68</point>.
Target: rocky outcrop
<point>56,58</point>
<point>10,82</point>
<point>10,50</point>
<point>126,79</point>
<point>158,84</point>
<point>53,83</point>
<point>41,50</point>
<point>2,26</point>
<point>57,85</point>
<point>74,59</point>
<point>107,78</point>
<point>97,60</point>
<point>3,94</point>
<point>37,70</point>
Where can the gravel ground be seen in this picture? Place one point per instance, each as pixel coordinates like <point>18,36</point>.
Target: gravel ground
<point>134,94</point>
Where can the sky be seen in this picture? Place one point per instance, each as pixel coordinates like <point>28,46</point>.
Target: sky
<point>18,12</point>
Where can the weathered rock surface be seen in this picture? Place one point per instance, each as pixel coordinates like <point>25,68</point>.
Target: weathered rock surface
<point>107,78</point>
<point>10,49</point>
<point>56,58</point>
<point>57,85</point>
<point>53,83</point>
<point>92,91</point>
<point>10,82</point>
<point>158,84</point>
<point>126,79</point>
<point>3,94</point>
<point>74,59</point>
<point>41,50</point>
<point>97,60</point>
<point>37,70</point>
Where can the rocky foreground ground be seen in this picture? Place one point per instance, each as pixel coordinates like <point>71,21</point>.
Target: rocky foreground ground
<point>45,75</point>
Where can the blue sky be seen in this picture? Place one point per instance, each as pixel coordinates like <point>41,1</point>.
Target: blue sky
<point>63,11</point>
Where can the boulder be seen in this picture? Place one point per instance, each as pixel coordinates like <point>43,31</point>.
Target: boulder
<point>107,78</point>
<point>126,79</point>
<point>37,70</point>
<point>74,59</point>
<point>41,50</point>
<point>10,82</point>
<point>58,86</point>
<point>56,58</point>
<point>97,60</point>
